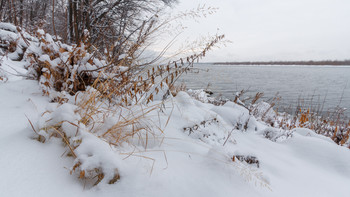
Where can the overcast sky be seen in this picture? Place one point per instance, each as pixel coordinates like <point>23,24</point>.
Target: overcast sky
<point>275,29</point>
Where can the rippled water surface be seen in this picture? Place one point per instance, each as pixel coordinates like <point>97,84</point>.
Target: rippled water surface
<point>316,85</point>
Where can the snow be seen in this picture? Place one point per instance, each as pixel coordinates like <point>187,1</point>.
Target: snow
<point>7,35</point>
<point>8,26</point>
<point>189,152</point>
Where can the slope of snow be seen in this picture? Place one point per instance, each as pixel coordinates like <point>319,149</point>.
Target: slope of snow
<point>191,156</point>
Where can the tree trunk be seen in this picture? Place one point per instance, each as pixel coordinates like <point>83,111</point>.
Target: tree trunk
<point>21,13</point>
<point>53,18</point>
<point>75,18</point>
<point>86,14</point>
<point>70,21</point>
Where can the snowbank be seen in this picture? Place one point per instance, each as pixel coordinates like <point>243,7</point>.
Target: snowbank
<point>189,154</point>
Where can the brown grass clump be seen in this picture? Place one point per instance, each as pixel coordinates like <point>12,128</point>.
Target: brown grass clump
<point>58,67</point>
<point>247,158</point>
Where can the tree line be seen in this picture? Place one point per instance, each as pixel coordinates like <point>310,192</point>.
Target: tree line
<point>110,23</point>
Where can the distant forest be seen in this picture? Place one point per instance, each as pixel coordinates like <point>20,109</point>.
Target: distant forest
<point>318,63</point>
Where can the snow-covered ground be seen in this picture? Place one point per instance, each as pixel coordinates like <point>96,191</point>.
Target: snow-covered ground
<point>190,154</point>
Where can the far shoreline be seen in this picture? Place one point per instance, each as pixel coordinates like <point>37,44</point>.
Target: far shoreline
<point>301,63</point>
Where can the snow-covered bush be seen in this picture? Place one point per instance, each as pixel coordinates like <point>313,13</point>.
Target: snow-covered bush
<point>93,159</point>
<point>13,41</point>
<point>60,67</point>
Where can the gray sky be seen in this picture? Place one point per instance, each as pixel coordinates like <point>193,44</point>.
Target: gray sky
<point>275,29</point>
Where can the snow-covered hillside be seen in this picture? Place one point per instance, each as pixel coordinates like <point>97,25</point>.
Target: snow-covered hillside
<point>195,149</point>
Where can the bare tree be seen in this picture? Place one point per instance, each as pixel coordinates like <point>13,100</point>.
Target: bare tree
<point>111,23</point>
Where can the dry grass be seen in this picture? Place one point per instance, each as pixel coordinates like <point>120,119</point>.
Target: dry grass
<point>334,123</point>
<point>178,88</point>
<point>103,87</point>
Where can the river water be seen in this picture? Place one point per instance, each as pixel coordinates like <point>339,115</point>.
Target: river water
<point>311,86</point>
